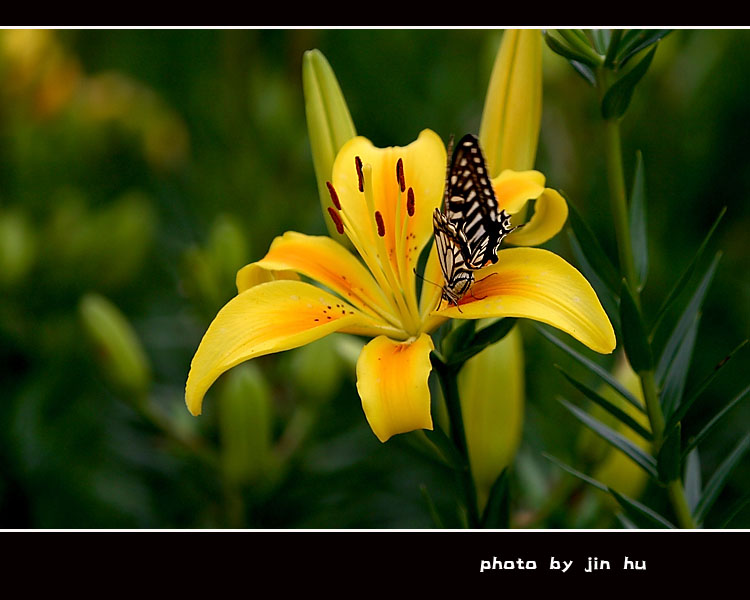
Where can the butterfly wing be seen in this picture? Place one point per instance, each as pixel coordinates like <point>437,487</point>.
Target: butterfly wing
<point>470,204</point>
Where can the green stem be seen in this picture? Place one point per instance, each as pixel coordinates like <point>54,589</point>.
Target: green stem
<point>449,382</point>
<point>680,505</point>
<point>619,206</point>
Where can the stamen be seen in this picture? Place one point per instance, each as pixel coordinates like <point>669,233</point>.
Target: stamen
<point>334,195</point>
<point>336,219</point>
<point>400,175</point>
<point>358,164</point>
<point>381,225</point>
<point>410,202</point>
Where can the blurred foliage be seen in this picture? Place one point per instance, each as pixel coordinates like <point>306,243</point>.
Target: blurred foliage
<point>142,168</point>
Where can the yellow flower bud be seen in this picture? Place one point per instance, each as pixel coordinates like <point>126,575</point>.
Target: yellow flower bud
<point>329,124</point>
<point>492,401</point>
<point>509,131</point>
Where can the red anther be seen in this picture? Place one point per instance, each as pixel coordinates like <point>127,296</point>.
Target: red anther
<point>360,176</point>
<point>410,202</point>
<point>400,175</point>
<point>334,195</point>
<point>381,225</point>
<point>336,219</point>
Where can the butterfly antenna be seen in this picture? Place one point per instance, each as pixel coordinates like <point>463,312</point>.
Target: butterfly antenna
<point>427,280</point>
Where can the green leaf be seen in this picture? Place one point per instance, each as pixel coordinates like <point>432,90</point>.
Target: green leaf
<point>709,427</point>
<point>584,71</point>
<point>634,337</point>
<point>497,512</point>
<point>431,508</point>
<point>613,47</point>
<point>639,513</point>
<point>600,372</point>
<point>480,340</point>
<point>638,223</point>
<point>566,51</point>
<point>601,40</point>
<point>685,322</point>
<point>615,411</point>
<point>685,276</point>
<point>610,301</point>
<point>719,479</point>
<point>593,250</point>
<point>643,39</point>
<point>668,460</point>
<point>618,96</point>
<point>676,375</point>
<point>693,483</point>
<point>446,448</point>
<point>615,438</point>
<point>683,408</point>
<point>734,510</point>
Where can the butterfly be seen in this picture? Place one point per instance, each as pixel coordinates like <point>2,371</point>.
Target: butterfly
<point>469,231</point>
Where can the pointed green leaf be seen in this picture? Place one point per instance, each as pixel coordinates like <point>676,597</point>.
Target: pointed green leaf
<point>618,96</point>
<point>640,513</point>
<point>431,508</point>
<point>593,250</point>
<point>683,408</point>
<point>719,479</point>
<point>668,460</point>
<point>635,510</point>
<point>584,71</point>
<point>642,40</point>
<point>734,511</point>
<point>601,40</point>
<point>615,438</point>
<point>600,372</point>
<point>674,379</point>
<point>634,337</point>
<point>685,322</point>
<point>446,448</point>
<point>481,339</point>
<point>613,47</point>
<point>497,512</point>
<point>693,485</point>
<point>573,50</point>
<point>709,427</point>
<point>638,223</point>
<point>615,411</point>
<point>685,276</point>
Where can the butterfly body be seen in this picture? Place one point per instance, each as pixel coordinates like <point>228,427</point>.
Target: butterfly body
<point>469,231</point>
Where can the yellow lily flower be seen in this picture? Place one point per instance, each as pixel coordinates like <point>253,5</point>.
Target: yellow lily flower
<point>383,200</point>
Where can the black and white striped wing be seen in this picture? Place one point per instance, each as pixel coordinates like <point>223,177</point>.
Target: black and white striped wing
<point>470,204</point>
<point>450,244</point>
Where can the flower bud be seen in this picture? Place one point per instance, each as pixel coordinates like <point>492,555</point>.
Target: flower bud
<point>116,344</point>
<point>245,415</point>
<point>491,387</point>
<point>511,119</point>
<point>17,248</point>
<point>329,124</point>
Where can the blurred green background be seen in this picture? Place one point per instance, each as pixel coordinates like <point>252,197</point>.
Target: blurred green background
<point>139,169</point>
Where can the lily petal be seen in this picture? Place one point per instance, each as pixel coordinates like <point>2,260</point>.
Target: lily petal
<point>514,189</point>
<point>392,383</point>
<point>424,171</point>
<point>550,214</point>
<point>326,261</point>
<point>253,274</point>
<point>269,317</point>
<point>537,284</point>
